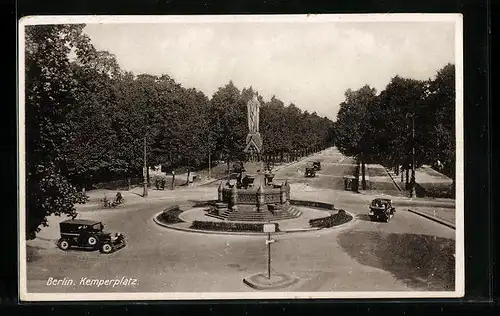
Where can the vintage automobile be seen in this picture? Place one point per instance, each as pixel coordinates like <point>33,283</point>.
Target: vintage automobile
<point>381,210</point>
<point>317,165</point>
<point>247,181</point>
<point>310,171</point>
<point>88,234</point>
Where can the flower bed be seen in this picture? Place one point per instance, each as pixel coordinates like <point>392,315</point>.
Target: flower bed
<point>171,215</point>
<point>333,220</point>
<point>230,226</point>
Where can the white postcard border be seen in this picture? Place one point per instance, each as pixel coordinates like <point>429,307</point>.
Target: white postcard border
<point>459,291</point>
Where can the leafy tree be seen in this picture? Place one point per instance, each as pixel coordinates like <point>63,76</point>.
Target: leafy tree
<point>352,127</point>
<point>49,99</point>
<point>228,120</point>
<point>441,101</point>
<point>399,105</point>
<point>384,123</point>
<point>94,153</point>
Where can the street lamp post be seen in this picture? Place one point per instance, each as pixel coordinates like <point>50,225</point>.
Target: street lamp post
<point>412,180</point>
<point>209,164</point>
<point>145,172</point>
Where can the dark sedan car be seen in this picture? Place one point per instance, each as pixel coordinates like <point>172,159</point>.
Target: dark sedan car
<point>84,233</point>
<point>316,165</point>
<point>381,210</point>
<point>310,171</point>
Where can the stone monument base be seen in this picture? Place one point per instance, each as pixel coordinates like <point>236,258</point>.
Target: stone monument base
<point>250,213</point>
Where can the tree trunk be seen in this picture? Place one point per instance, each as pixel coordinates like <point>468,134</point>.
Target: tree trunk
<point>209,165</point>
<point>188,174</point>
<point>363,175</point>
<point>147,175</point>
<point>402,173</point>
<point>407,175</point>
<point>228,170</point>
<point>128,184</point>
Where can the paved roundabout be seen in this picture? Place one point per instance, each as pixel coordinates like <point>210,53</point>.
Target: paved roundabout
<point>411,253</point>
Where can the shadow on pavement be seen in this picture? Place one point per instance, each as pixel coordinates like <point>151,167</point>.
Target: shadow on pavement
<point>420,261</point>
<point>363,217</point>
<point>32,254</point>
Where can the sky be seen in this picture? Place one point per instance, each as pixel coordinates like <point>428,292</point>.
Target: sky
<point>308,64</point>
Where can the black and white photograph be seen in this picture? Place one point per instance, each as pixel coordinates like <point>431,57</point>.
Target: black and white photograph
<point>229,157</point>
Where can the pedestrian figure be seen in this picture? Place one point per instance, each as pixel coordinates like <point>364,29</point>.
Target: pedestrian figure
<point>173,179</point>
<point>440,165</point>
<point>106,201</point>
<point>119,198</point>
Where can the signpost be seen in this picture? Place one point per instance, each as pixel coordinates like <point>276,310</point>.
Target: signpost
<point>281,280</point>
<point>269,228</point>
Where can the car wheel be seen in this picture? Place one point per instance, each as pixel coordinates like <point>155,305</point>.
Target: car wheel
<point>106,248</point>
<point>63,244</point>
<point>92,241</point>
<point>387,219</point>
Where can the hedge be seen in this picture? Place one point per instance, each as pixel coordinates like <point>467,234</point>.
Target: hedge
<point>205,203</point>
<point>230,226</point>
<point>171,215</point>
<point>333,220</point>
<point>320,205</point>
<point>116,184</point>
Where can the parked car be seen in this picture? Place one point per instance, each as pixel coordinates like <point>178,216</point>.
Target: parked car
<point>84,233</point>
<point>316,165</point>
<point>310,171</point>
<point>381,210</point>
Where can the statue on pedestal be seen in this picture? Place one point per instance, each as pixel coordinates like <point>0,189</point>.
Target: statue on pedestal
<point>253,147</point>
<point>253,115</point>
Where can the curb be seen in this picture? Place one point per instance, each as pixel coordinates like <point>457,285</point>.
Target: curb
<point>435,219</point>
<point>209,232</point>
<point>182,195</point>
<point>291,231</point>
<point>394,181</point>
<point>211,181</point>
<point>410,202</point>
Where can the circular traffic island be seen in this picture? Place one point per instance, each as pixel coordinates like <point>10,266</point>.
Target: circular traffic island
<point>309,216</point>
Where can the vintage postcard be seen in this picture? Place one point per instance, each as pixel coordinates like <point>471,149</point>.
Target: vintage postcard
<point>241,157</point>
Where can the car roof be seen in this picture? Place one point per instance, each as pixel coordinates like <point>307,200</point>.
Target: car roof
<point>80,222</point>
<point>382,200</point>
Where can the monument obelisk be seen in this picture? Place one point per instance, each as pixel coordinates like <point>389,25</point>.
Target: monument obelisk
<point>253,148</point>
